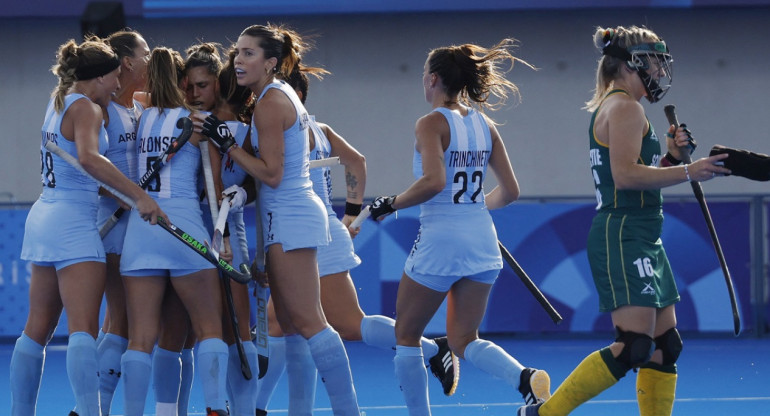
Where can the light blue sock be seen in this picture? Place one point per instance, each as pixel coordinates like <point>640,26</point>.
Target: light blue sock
<point>413,379</point>
<point>26,372</point>
<point>83,372</point>
<point>166,377</point>
<point>302,375</point>
<point>212,363</point>
<point>188,374</point>
<point>379,331</point>
<point>331,359</point>
<point>100,337</point>
<point>243,393</point>
<point>275,368</point>
<point>137,366</point>
<point>109,350</point>
<point>490,358</point>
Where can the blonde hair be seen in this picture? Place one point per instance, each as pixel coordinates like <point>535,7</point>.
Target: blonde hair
<point>609,67</point>
<point>70,57</point>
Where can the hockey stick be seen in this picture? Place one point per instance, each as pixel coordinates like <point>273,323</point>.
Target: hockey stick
<point>364,214</point>
<point>183,123</point>
<point>670,111</point>
<point>242,277</point>
<point>320,163</point>
<point>261,332</point>
<point>220,221</point>
<point>541,299</point>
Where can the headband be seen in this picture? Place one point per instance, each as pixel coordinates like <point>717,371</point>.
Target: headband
<point>86,72</point>
<point>625,54</point>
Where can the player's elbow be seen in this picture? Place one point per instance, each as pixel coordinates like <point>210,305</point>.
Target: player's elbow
<point>89,162</point>
<point>436,185</point>
<point>511,195</point>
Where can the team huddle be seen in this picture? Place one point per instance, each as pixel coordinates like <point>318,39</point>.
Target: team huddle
<point>182,143</point>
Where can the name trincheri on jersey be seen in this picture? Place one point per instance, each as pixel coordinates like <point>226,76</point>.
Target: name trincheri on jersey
<point>468,158</point>
<point>154,144</point>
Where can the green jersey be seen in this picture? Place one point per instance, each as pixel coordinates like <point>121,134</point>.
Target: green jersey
<point>607,196</point>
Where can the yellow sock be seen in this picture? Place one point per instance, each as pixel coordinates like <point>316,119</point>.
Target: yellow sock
<point>655,389</point>
<point>591,377</point>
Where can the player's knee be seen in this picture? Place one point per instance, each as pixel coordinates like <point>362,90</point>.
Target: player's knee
<point>637,348</point>
<point>670,344</point>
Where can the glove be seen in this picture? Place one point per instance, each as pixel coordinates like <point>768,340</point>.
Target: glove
<point>216,130</point>
<point>382,206</point>
<point>239,196</point>
<point>754,166</point>
<point>693,144</point>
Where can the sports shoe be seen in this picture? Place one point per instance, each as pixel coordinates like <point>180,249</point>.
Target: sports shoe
<point>261,412</point>
<point>534,385</point>
<point>73,413</point>
<point>217,412</point>
<point>445,366</point>
<point>530,409</point>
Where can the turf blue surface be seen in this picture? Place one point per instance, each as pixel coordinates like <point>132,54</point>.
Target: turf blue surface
<point>716,376</point>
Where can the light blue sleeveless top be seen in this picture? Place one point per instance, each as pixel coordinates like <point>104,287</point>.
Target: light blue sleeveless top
<point>296,170</point>
<point>232,173</point>
<point>121,132</point>
<point>178,179</point>
<point>57,173</point>
<point>321,177</point>
<point>465,159</point>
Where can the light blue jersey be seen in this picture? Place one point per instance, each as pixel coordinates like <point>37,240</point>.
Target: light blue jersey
<point>150,250</point>
<point>154,134</point>
<point>232,174</point>
<point>339,256</point>
<point>292,214</point>
<point>121,134</point>
<point>457,236</point>
<point>61,225</point>
<point>321,177</point>
<point>64,176</point>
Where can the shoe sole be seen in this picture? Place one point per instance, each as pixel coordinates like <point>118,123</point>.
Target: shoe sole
<point>540,383</point>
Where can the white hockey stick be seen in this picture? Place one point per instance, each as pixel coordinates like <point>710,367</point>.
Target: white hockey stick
<point>364,214</point>
<point>329,161</point>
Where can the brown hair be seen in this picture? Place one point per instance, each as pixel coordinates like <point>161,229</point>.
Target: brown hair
<point>123,42</point>
<point>286,45</point>
<point>204,54</point>
<point>164,72</point>
<point>473,72</point>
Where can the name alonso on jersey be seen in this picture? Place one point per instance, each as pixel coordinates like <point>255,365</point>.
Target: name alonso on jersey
<point>154,144</point>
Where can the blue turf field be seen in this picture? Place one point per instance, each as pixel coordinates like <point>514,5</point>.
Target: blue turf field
<point>717,376</point>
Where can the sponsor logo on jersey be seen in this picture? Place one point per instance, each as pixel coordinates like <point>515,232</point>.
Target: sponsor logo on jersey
<point>648,289</point>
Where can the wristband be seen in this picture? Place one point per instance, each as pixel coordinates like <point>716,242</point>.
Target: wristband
<point>352,209</point>
<point>672,161</point>
<point>687,173</point>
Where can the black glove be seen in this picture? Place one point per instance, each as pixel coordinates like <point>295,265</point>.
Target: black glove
<point>216,130</point>
<point>693,144</point>
<point>382,206</point>
<point>754,166</point>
